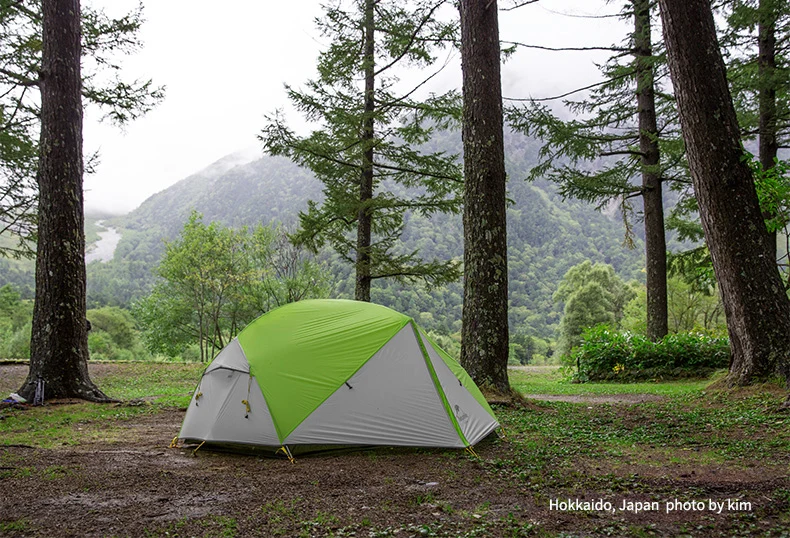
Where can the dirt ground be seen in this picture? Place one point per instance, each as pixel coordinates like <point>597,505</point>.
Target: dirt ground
<point>139,487</point>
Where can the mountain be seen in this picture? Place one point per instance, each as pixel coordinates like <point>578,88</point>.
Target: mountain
<point>546,236</point>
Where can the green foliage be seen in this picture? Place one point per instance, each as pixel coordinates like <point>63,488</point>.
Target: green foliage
<point>694,265</point>
<point>773,191</point>
<point>739,45</point>
<point>15,324</point>
<point>605,354</point>
<point>546,236</point>
<point>382,136</point>
<point>527,349</point>
<point>593,294</point>
<point>214,280</point>
<point>690,309</point>
<point>113,335</point>
<point>116,322</point>
<point>594,155</point>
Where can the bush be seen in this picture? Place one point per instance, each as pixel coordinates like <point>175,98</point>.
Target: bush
<point>17,343</point>
<point>116,323</point>
<point>606,355</point>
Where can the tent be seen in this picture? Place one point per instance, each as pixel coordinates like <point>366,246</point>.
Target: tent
<point>335,372</point>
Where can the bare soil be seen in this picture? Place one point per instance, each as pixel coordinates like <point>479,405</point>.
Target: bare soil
<point>139,487</point>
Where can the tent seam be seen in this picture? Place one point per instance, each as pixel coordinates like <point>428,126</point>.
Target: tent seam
<point>437,384</point>
<point>263,395</point>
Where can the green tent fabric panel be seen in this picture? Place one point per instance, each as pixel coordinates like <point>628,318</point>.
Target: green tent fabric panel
<point>462,376</point>
<point>303,352</point>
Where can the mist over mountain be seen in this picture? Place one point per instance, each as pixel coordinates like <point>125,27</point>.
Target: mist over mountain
<point>546,236</point>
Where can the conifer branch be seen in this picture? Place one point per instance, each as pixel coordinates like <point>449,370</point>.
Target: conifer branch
<point>518,5</point>
<point>408,47</point>
<point>577,90</point>
<point>567,49</point>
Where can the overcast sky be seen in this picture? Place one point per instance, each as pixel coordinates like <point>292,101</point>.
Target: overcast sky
<point>224,66</point>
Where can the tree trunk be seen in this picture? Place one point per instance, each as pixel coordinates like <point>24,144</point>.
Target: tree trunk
<point>766,68</point>
<point>484,342</point>
<point>755,304</point>
<point>363,280</point>
<point>59,343</point>
<point>652,196</point>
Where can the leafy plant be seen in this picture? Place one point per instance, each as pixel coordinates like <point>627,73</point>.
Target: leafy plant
<point>606,354</point>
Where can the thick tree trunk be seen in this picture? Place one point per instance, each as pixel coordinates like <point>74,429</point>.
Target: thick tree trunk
<point>363,280</point>
<point>484,342</point>
<point>59,343</point>
<point>755,303</point>
<point>655,239</point>
<point>766,67</point>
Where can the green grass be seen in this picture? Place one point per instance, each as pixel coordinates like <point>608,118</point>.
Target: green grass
<point>20,525</point>
<point>691,426</point>
<point>164,384</point>
<point>154,385</point>
<point>553,449</point>
<point>549,380</point>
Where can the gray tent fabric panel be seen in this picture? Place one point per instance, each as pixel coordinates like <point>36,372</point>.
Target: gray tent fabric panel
<point>211,393</point>
<point>391,401</point>
<point>235,424</point>
<point>220,415</point>
<point>231,358</point>
<point>474,421</point>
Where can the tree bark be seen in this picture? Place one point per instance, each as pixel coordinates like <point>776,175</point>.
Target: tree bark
<point>766,67</point>
<point>755,304</point>
<point>484,342</point>
<point>363,280</point>
<point>652,196</point>
<point>59,343</point>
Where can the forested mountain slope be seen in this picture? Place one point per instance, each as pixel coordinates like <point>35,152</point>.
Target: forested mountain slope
<point>546,236</point>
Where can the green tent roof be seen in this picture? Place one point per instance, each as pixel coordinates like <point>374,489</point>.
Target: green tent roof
<point>302,352</point>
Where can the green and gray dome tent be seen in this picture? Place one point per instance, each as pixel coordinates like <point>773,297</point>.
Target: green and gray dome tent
<point>336,372</point>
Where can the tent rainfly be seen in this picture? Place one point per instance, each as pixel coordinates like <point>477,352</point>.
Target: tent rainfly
<point>336,372</point>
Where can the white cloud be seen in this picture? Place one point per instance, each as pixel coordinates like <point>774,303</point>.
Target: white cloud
<point>224,65</point>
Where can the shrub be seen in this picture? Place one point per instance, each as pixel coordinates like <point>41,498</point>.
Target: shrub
<point>605,354</point>
<point>17,345</point>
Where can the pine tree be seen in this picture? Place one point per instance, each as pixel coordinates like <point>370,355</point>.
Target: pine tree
<point>59,345</point>
<point>104,40</point>
<point>611,152</point>
<point>756,46</point>
<point>484,336</point>
<point>755,303</point>
<point>368,149</point>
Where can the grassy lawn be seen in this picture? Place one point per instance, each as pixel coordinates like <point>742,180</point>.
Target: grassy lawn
<point>549,380</point>
<point>143,388</point>
<point>689,442</point>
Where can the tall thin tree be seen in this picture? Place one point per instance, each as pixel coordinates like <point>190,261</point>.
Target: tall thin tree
<point>484,336</point>
<point>368,149</point>
<point>756,46</point>
<point>755,303</point>
<point>652,193</point>
<point>59,343</point>
<point>618,122</point>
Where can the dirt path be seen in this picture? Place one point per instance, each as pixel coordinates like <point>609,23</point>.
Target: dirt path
<point>596,398</point>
